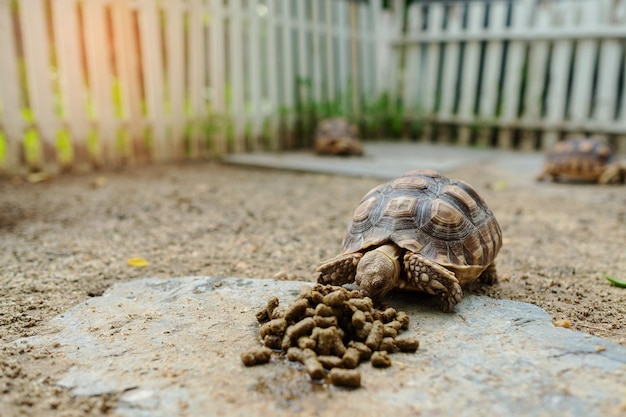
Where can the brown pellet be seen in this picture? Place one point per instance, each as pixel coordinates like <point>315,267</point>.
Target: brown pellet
<point>338,347</point>
<point>329,321</point>
<point>395,324</point>
<point>326,310</point>
<point>380,359</point>
<point>336,298</point>
<point>403,318</point>
<point>272,341</point>
<point>313,366</point>
<point>389,314</point>
<point>365,303</point>
<point>275,327</point>
<point>278,312</point>
<point>389,331</point>
<point>256,356</point>
<point>388,344</point>
<point>294,354</point>
<point>301,328</point>
<point>306,342</point>
<point>345,377</point>
<point>272,303</point>
<point>362,333</point>
<point>295,311</point>
<point>330,361</point>
<point>316,298</point>
<point>364,351</point>
<point>265,313</point>
<point>407,344</point>
<point>325,341</point>
<point>375,336</point>
<point>286,343</point>
<point>351,358</point>
<point>358,319</point>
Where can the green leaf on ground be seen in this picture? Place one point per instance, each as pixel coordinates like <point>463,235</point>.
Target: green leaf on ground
<point>615,282</point>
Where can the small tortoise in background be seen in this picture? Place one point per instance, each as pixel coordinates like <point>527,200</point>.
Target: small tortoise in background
<point>422,232</point>
<point>337,136</point>
<point>583,159</point>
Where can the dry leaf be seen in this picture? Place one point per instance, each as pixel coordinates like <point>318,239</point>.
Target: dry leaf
<point>137,262</point>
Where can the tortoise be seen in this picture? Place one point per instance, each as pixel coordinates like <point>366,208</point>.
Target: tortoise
<point>583,159</point>
<point>422,231</point>
<point>336,136</point>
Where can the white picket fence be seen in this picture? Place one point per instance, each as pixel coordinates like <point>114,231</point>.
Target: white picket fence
<point>107,82</point>
<point>520,73</point>
<point>89,83</point>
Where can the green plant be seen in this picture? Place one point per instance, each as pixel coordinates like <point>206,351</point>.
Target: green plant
<point>616,282</point>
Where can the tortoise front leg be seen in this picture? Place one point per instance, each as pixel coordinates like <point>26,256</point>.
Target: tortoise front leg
<point>339,270</point>
<point>434,279</point>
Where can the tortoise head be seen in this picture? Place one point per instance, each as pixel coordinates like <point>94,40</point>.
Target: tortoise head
<point>378,270</point>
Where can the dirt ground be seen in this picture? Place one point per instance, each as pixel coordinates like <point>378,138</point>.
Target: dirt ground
<point>64,240</point>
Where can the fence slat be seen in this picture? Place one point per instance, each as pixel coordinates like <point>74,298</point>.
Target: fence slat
<point>175,69</point>
<point>38,70</point>
<point>450,70</point>
<point>537,72</point>
<point>410,91</point>
<point>153,77</point>
<point>513,67</point>
<point>71,82</point>
<point>235,68</point>
<point>270,102</point>
<point>469,80</point>
<point>430,69</point>
<point>11,122</point>
<point>133,149</point>
<point>491,72</point>
<point>217,75</point>
<point>562,15</point>
<point>100,75</point>
<point>583,66</point>
<point>254,65</point>
<point>196,76</point>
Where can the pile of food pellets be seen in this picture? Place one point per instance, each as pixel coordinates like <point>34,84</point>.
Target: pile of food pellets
<point>330,328</point>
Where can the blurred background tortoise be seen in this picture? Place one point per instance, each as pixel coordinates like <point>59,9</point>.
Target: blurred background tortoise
<point>337,136</point>
<point>583,159</point>
<point>421,232</point>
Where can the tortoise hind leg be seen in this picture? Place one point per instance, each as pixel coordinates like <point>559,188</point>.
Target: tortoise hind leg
<point>339,270</point>
<point>434,279</point>
<point>489,276</point>
<point>613,174</point>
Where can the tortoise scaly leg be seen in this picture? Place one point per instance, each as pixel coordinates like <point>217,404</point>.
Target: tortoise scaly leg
<point>613,174</point>
<point>339,270</point>
<point>489,276</point>
<point>434,279</point>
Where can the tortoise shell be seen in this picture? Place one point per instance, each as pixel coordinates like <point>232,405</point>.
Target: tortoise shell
<point>580,158</point>
<point>424,212</point>
<point>337,136</point>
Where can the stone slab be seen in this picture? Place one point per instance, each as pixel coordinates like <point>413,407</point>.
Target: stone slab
<point>171,347</point>
<point>387,160</point>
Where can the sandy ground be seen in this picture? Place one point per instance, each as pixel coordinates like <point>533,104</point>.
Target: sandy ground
<point>68,239</point>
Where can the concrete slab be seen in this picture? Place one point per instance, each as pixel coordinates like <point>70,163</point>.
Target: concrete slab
<point>171,347</point>
<point>386,160</point>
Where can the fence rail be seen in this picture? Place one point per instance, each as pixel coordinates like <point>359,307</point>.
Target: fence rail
<point>518,73</point>
<point>89,83</point>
